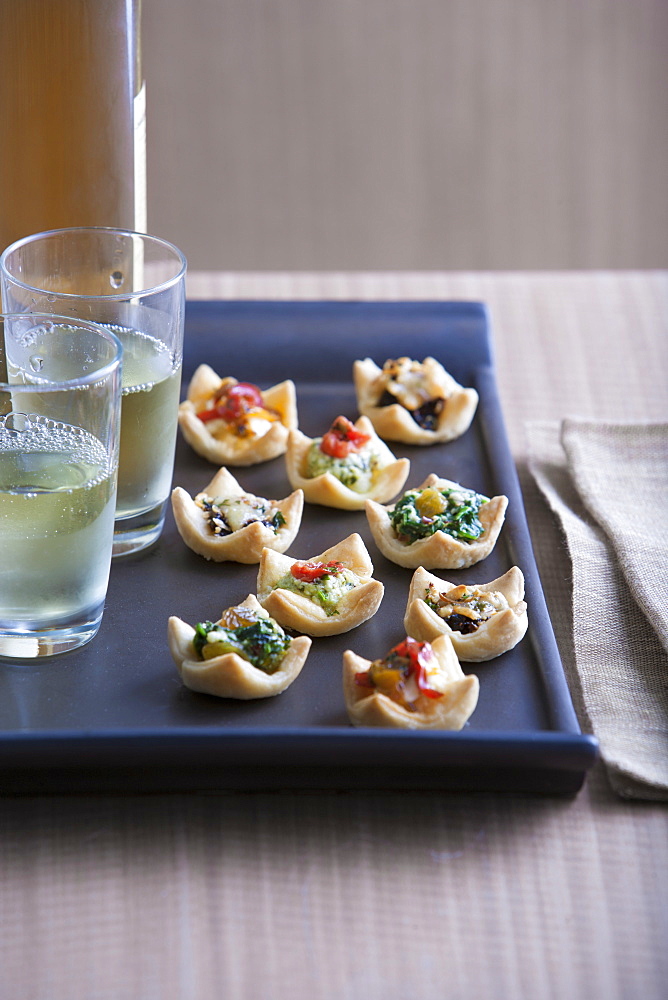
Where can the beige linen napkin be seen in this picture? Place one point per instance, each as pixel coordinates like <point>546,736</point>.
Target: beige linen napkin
<point>608,485</point>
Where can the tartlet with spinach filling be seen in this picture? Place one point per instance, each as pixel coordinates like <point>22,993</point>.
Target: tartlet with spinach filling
<point>244,655</point>
<point>438,525</point>
<point>225,523</point>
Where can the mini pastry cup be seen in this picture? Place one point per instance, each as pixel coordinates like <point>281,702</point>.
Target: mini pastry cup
<point>494,636</point>
<point>373,708</point>
<point>244,545</point>
<point>438,551</point>
<point>229,675</point>
<point>230,448</point>
<point>295,611</point>
<point>395,423</point>
<point>327,490</point>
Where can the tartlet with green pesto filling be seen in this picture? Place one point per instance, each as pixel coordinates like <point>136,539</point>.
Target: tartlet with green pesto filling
<point>438,525</point>
<point>225,523</point>
<point>326,594</point>
<point>244,655</point>
<point>416,402</point>
<point>344,467</point>
<point>483,620</point>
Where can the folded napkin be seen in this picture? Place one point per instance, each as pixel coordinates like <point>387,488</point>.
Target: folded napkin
<point>608,485</point>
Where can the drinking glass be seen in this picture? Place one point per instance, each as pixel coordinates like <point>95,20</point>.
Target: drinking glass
<point>60,401</point>
<point>134,285</point>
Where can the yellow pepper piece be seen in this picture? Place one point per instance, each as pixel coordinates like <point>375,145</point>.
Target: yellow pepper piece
<point>430,502</point>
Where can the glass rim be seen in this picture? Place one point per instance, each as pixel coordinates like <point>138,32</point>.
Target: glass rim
<point>122,296</point>
<point>89,378</point>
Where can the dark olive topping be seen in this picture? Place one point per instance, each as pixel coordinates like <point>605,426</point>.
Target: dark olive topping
<point>462,624</point>
<point>426,416</point>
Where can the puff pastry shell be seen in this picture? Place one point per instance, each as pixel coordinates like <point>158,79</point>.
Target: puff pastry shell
<point>450,711</point>
<point>437,551</point>
<point>329,491</point>
<point>495,635</point>
<point>244,545</point>
<point>226,447</point>
<point>296,611</point>
<point>229,675</point>
<point>395,423</point>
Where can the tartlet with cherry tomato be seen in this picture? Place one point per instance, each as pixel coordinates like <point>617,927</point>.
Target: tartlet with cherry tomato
<point>346,466</point>
<point>326,594</point>
<point>417,685</point>
<point>236,423</point>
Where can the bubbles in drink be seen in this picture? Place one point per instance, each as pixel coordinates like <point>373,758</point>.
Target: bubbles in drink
<point>36,363</point>
<point>57,501</point>
<point>41,454</point>
<point>116,279</point>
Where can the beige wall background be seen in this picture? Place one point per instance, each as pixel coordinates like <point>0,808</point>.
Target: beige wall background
<point>409,134</point>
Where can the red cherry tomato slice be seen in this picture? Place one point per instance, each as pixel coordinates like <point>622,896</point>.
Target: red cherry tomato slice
<point>308,572</point>
<point>233,402</point>
<point>342,438</point>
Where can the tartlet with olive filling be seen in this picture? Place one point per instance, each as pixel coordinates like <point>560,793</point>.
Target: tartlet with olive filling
<point>345,466</point>
<point>244,655</point>
<point>326,594</point>
<point>236,423</point>
<point>482,620</point>
<point>438,525</point>
<point>418,685</point>
<point>416,402</point>
<point>225,523</point>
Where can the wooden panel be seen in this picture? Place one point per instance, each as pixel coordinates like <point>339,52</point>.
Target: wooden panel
<point>409,134</point>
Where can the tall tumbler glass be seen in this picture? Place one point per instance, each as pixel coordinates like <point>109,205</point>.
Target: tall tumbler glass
<point>60,402</point>
<point>134,285</point>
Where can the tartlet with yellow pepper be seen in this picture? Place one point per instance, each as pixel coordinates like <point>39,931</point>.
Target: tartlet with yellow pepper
<point>418,685</point>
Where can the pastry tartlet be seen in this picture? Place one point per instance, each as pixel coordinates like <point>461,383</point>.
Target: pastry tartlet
<point>482,620</point>
<point>345,466</point>
<point>413,402</point>
<point>438,525</point>
<point>418,685</point>
<point>235,423</point>
<point>225,523</point>
<point>245,655</point>
<point>326,594</point>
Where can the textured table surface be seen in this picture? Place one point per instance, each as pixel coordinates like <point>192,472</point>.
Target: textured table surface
<point>383,896</point>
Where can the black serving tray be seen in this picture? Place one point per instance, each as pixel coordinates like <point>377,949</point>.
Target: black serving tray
<point>114,716</point>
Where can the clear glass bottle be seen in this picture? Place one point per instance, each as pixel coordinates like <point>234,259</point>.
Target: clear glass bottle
<point>73,149</point>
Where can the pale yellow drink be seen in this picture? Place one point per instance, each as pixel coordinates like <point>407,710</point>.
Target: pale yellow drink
<point>149,409</point>
<point>57,506</point>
